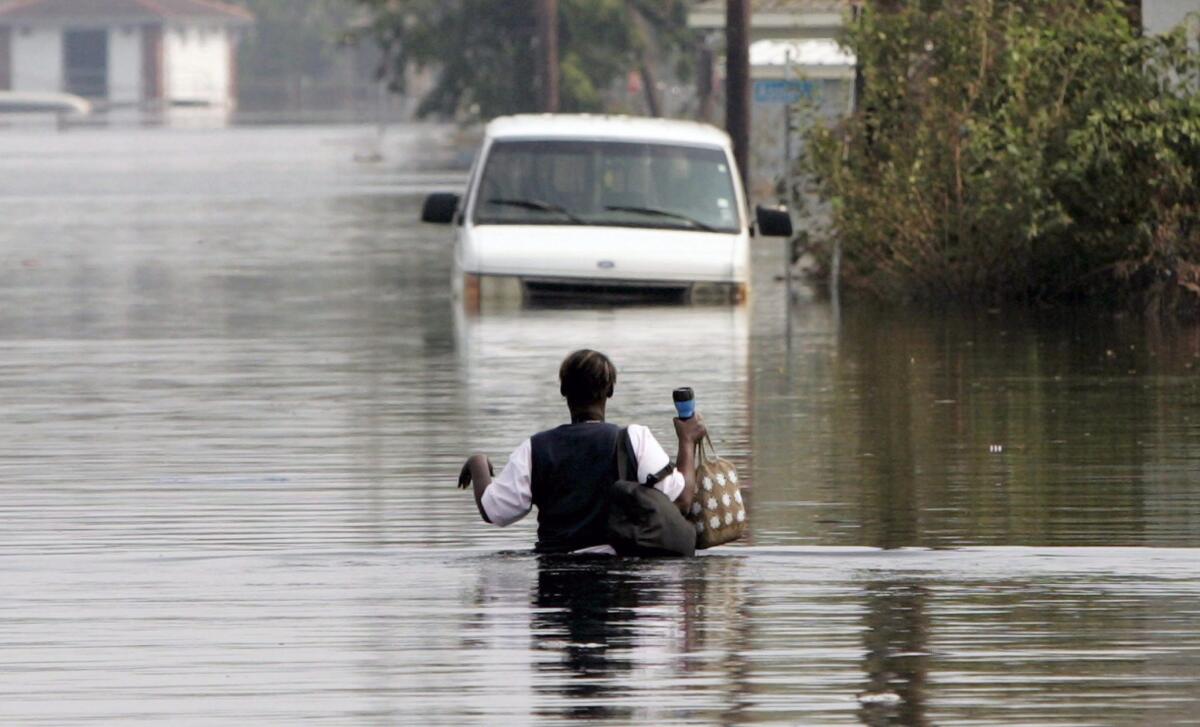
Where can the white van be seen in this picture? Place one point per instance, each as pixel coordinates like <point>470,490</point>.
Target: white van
<point>567,203</point>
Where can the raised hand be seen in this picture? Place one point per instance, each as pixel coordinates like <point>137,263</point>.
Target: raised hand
<point>464,476</point>
<point>690,430</point>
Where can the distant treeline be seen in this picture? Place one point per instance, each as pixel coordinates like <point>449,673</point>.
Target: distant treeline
<point>485,55</point>
<point>1005,150</point>
<point>294,38</point>
<point>488,56</point>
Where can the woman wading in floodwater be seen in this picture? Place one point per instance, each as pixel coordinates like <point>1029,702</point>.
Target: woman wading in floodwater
<point>567,471</point>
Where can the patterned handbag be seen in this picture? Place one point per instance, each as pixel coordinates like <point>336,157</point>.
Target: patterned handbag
<point>718,512</point>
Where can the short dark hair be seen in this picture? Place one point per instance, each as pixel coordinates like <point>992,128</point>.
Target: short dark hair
<point>586,377</point>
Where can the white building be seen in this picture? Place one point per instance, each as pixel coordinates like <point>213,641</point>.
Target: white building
<point>1159,16</point>
<point>143,53</point>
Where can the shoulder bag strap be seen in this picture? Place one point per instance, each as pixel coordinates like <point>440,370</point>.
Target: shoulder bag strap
<point>623,454</point>
<point>627,462</point>
<point>631,460</point>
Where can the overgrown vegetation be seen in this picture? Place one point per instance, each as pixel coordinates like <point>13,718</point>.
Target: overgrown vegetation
<point>1017,150</point>
<point>487,56</point>
<point>292,38</point>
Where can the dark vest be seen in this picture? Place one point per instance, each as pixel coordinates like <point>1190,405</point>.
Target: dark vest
<point>573,466</point>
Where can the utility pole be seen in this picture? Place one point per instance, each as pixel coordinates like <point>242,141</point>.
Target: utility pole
<point>737,83</point>
<point>547,20</point>
<point>859,79</point>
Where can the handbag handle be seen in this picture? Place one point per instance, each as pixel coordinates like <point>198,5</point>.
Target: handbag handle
<point>701,450</point>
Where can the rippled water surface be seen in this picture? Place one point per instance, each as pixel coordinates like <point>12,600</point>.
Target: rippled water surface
<point>236,394</point>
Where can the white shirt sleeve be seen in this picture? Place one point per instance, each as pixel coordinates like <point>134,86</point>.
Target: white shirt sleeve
<point>651,459</point>
<point>510,495</point>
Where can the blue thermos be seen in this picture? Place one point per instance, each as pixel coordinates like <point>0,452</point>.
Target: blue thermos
<point>685,402</point>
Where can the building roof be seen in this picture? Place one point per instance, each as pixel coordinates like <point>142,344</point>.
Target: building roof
<point>801,52</point>
<point>33,11</point>
<point>811,59</point>
<point>777,17</point>
<point>620,128</point>
<point>784,6</point>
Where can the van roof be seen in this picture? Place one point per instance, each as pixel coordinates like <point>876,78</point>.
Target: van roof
<point>622,128</point>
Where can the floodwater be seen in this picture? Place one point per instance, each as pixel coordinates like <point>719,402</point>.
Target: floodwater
<point>236,395</point>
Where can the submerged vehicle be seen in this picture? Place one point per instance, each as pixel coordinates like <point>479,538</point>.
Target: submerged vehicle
<point>568,203</point>
<point>32,102</point>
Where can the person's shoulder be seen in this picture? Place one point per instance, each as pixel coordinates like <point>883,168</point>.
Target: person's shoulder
<point>544,432</point>
<point>522,451</point>
<point>639,431</point>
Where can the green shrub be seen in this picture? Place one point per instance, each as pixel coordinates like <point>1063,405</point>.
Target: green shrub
<point>1035,150</point>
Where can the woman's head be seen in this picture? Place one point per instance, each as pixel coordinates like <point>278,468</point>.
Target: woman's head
<point>586,377</point>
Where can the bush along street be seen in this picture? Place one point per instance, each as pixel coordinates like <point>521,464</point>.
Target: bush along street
<point>1039,151</point>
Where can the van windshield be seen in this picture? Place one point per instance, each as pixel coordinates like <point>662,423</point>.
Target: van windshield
<point>627,184</point>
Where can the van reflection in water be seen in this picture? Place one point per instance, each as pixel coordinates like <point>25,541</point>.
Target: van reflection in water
<point>509,361</point>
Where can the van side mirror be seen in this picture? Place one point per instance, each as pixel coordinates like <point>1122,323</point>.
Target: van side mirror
<point>439,208</point>
<point>773,222</point>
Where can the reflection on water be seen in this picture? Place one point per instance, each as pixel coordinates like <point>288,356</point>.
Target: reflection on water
<point>936,429</point>
<point>509,364</point>
<point>236,393</point>
<point>628,634</point>
<point>585,614</point>
<point>895,635</point>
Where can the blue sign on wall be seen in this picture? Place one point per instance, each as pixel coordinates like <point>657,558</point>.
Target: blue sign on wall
<point>778,91</point>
